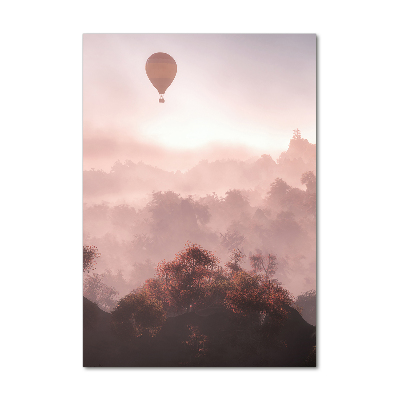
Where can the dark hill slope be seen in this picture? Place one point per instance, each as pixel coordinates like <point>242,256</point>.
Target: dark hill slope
<point>213,338</point>
<point>100,346</point>
<point>234,341</point>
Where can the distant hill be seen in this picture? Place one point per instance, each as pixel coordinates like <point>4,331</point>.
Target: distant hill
<point>206,177</point>
<point>300,157</point>
<point>300,148</point>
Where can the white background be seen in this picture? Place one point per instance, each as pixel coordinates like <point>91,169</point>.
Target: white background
<point>41,150</point>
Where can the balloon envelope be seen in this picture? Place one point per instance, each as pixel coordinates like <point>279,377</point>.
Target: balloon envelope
<point>161,69</point>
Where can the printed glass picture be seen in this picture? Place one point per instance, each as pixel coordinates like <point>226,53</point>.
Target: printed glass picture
<point>199,200</point>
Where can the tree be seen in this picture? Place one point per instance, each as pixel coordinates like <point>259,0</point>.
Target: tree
<point>123,215</point>
<point>235,200</point>
<point>307,303</point>
<point>138,314</point>
<point>249,294</point>
<point>285,228</point>
<point>90,253</point>
<point>278,191</point>
<point>243,295</point>
<point>309,179</point>
<point>157,289</point>
<point>235,260</point>
<point>296,134</point>
<point>265,162</point>
<point>310,202</point>
<point>187,216</point>
<point>165,209</point>
<point>232,239</point>
<point>275,300</point>
<point>202,212</point>
<point>186,276</point>
<point>294,201</point>
<point>144,244</point>
<point>95,290</point>
<point>261,263</point>
<point>197,346</point>
<point>175,218</point>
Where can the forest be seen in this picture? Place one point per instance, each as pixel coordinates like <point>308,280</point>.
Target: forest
<point>214,266</point>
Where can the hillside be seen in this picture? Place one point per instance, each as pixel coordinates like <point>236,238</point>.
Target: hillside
<point>213,337</point>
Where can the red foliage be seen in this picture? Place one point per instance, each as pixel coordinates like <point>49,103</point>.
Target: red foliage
<point>186,277</point>
<point>157,289</point>
<point>250,293</point>
<point>90,253</point>
<point>137,314</point>
<point>197,342</point>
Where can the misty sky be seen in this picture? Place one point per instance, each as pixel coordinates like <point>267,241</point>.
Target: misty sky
<point>234,96</point>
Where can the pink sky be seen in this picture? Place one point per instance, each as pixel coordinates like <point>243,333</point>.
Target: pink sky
<point>234,96</point>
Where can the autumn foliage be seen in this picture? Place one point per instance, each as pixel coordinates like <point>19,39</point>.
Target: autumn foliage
<point>90,253</point>
<point>188,275</point>
<point>193,280</point>
<point>197,346</point>
<point>138,314</point>
<point>251,293</point>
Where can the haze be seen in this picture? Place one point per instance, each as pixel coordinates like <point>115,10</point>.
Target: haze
<point>232,96</point>
<point>220,163</point>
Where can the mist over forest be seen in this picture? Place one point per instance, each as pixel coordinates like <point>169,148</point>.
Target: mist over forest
<point>138,215</point>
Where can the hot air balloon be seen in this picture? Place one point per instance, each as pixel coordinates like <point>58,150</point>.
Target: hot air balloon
<point>161,70</point>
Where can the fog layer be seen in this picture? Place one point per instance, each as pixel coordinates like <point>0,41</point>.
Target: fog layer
<point>137,214</point>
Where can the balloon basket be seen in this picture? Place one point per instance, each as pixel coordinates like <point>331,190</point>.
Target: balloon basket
<point>161,99</point>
